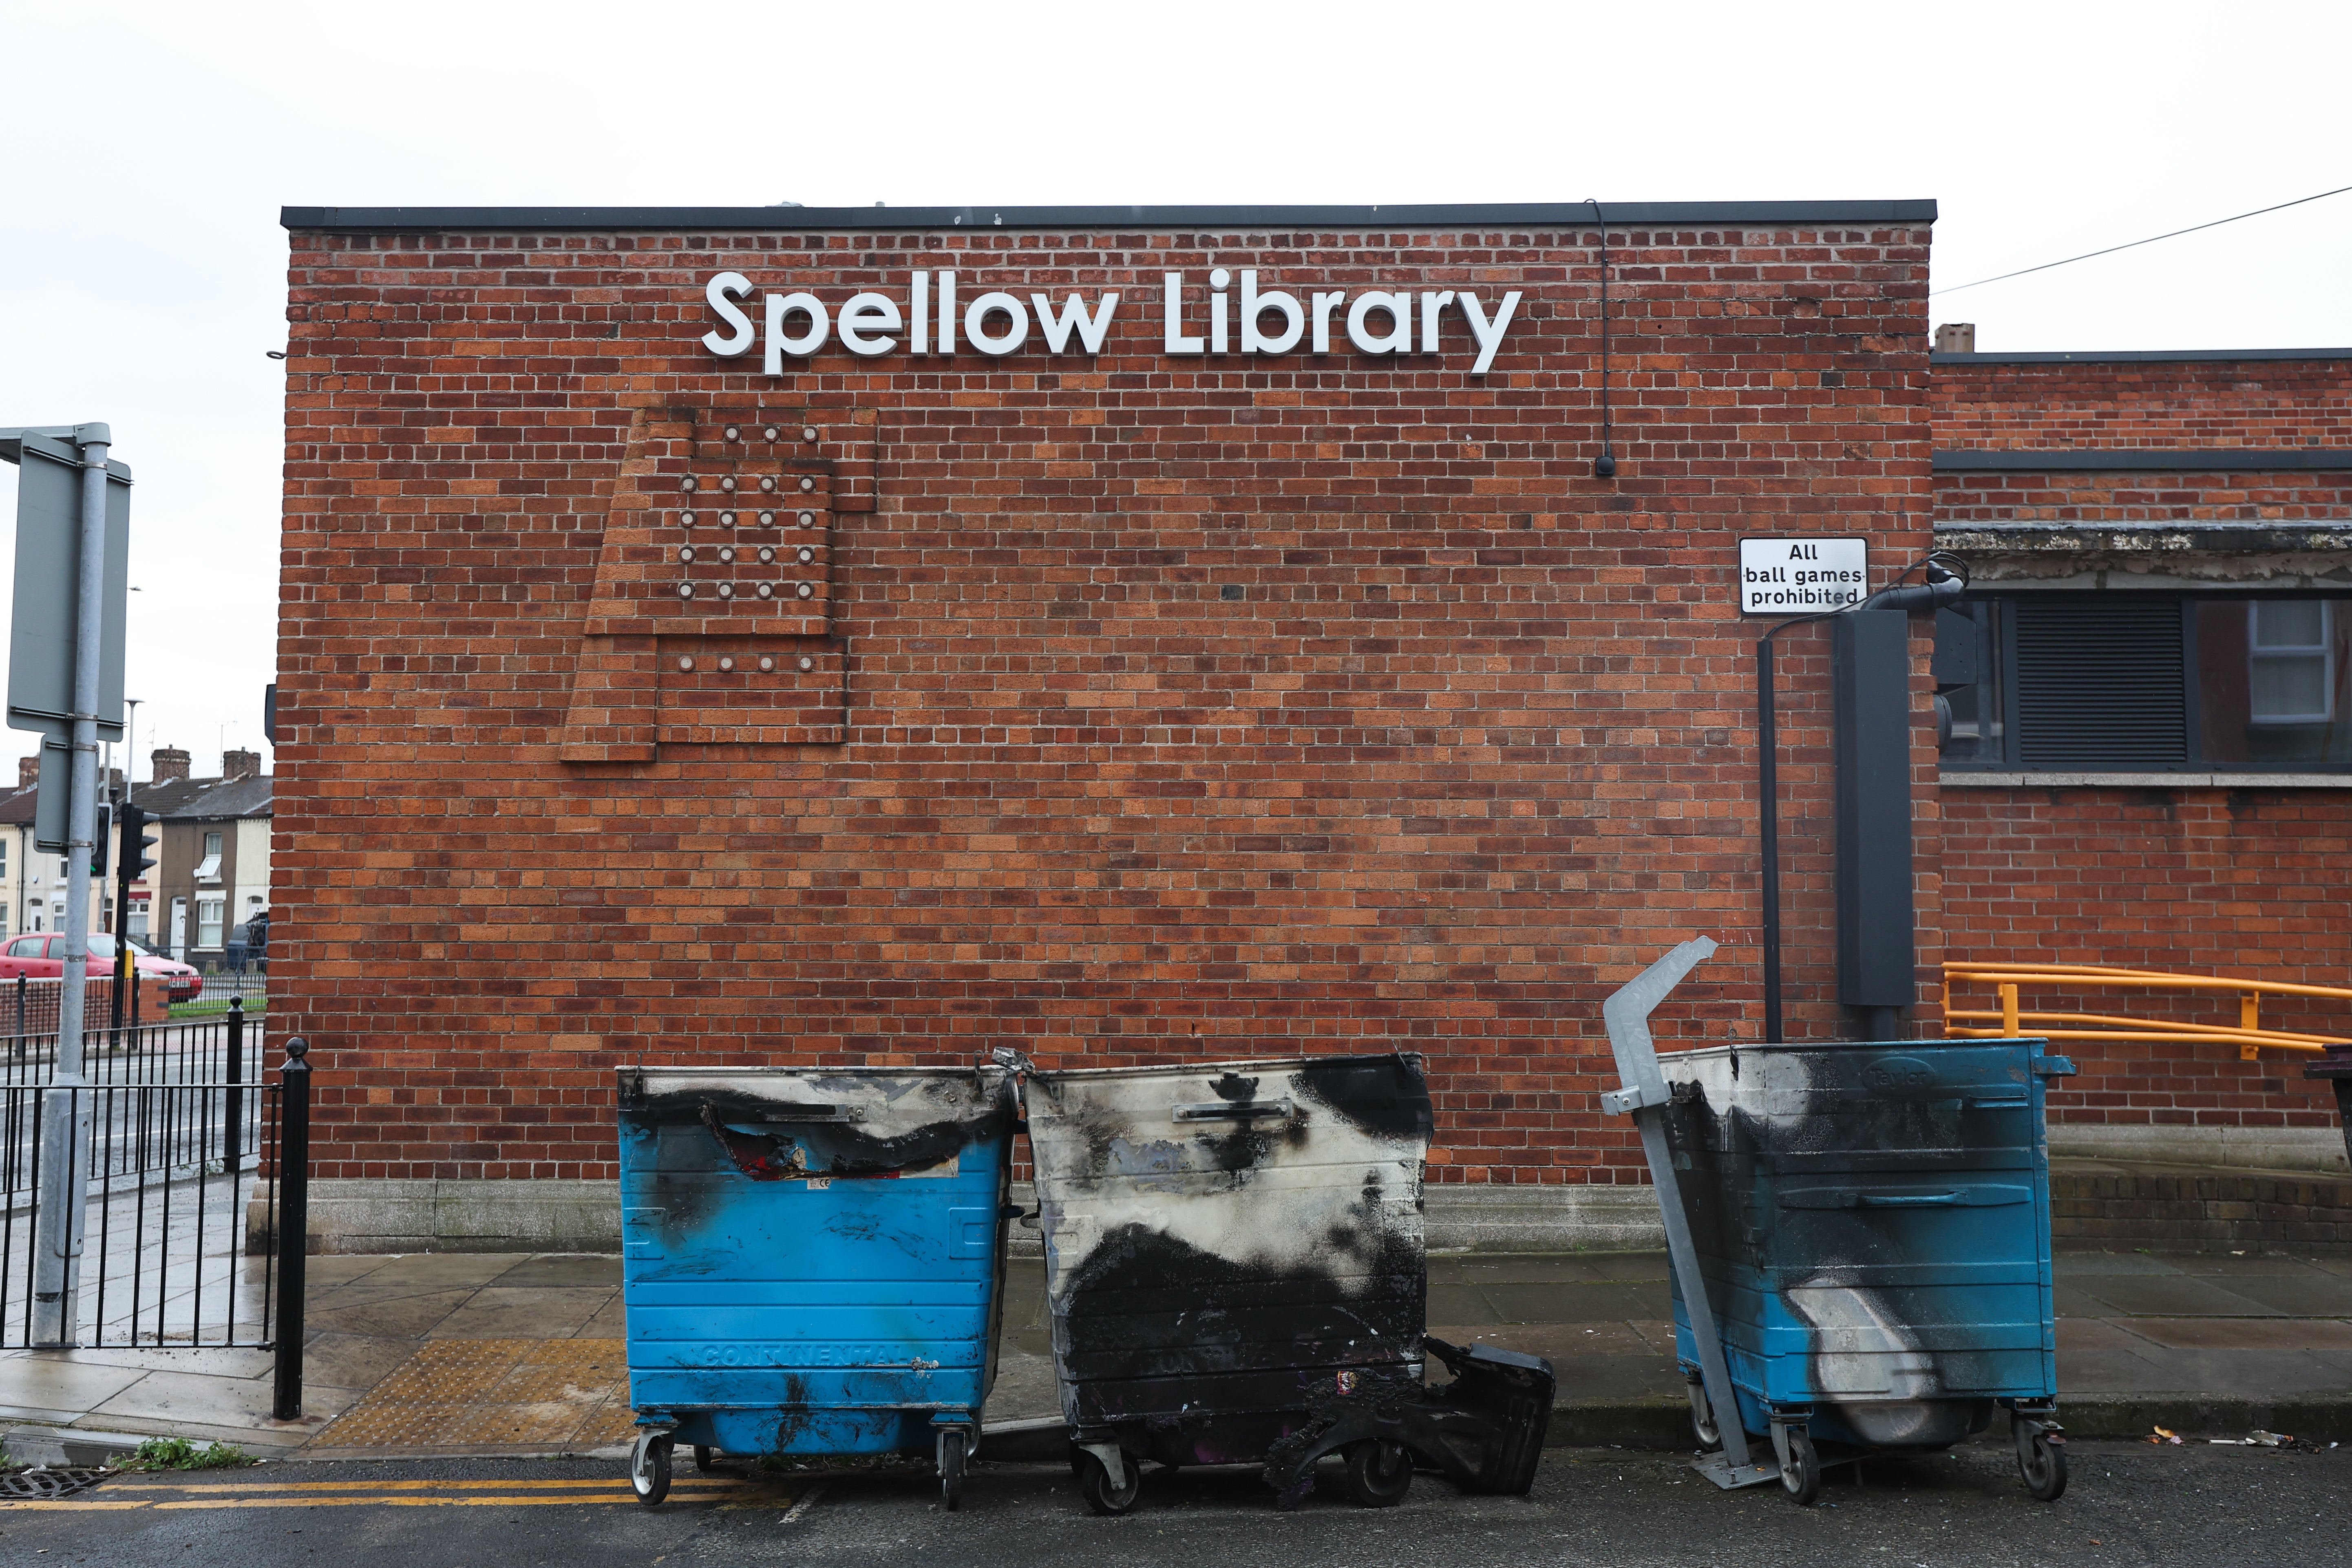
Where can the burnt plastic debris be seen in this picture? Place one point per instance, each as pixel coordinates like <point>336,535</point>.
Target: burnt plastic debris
<point>1483,1430</point>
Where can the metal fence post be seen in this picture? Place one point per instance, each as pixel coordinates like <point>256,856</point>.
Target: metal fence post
<point>293,1224</point>
<point>233,1136</point>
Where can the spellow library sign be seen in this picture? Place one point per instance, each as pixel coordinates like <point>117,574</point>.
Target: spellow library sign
<point>794,326</point>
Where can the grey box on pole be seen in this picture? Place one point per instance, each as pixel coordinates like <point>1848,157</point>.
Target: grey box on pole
<point>53,798</point>
<point>41,633</point>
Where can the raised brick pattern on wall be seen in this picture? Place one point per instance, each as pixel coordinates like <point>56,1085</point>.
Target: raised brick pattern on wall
<point>1193,709</point>
<point>2144,402</point>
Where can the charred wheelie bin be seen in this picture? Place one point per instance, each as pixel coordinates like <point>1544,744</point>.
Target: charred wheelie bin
<point>1861,1241</point>
<point>1235,1275</point>
<point>813,1261</point>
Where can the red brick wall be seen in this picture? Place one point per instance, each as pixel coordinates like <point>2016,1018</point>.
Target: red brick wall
<point>1471,744</point>
<point>2233,882</point>
<point>2145,403</point>
<point>2203,881</point>
<point>2258,500</point>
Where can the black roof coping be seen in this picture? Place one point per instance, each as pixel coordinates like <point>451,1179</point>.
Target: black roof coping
<point>2140,356</point>
<point>2139,459</point>
<point>1518,214</point>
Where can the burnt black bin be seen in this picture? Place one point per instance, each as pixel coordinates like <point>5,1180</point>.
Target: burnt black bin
<point>1236,1275</point>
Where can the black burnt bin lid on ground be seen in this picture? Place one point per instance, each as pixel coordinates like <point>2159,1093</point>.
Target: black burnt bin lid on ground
<point>1472,215</point>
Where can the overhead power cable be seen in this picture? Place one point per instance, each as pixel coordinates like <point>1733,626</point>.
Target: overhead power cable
<point>2149,240</point>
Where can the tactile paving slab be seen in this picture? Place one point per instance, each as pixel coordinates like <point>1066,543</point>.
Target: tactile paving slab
<point>542,1396</point>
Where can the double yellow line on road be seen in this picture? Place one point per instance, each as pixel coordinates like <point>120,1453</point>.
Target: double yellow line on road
<point>168,1495</point>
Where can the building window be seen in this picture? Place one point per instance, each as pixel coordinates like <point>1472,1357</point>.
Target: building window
<point>2145,683</point>
<point>2289,662</point>
<point>208,921</point>
<point>208,868</point>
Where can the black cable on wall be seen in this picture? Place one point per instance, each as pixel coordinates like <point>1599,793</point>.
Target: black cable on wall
<point>1604,467</point>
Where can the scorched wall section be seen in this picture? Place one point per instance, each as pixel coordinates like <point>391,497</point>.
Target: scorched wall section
<point>1186,707</point>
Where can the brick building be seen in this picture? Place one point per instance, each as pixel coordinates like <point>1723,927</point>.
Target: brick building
<point>832,635</point>
<point>212,867</point>
<point>2152,770</point>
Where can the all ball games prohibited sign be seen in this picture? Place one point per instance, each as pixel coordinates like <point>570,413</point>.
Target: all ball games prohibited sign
<point>1801,576</point>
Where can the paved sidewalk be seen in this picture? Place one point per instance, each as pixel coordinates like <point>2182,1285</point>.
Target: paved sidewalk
<point>485,1353</point>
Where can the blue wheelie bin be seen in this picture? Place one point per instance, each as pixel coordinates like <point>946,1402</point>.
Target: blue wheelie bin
<point>1872,1227</point>
<point>813,1261</point>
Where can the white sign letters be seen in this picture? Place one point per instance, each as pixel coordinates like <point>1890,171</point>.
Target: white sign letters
<point>795,325</point>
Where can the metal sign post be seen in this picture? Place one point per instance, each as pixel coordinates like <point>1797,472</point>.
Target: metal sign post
<point>65,673</point>
<point>1643,1096</point>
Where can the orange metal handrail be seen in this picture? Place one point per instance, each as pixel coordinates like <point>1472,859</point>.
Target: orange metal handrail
<point>2248,1035</point>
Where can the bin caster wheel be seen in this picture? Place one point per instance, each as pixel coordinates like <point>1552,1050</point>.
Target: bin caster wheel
<point>2041,1461</point>
<point>649,1467</point>
<point>1378,1473</point>
<point>706,1458</point>
<point>1801,1478</point>
<point>1702,1422</point>
<point>1094,1485</point>
<point>951,1457</point>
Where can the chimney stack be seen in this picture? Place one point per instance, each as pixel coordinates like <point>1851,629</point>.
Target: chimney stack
<point>240,764</point>
<point>167,763</point>
<point>1957,338</point>
<point>28,771</point>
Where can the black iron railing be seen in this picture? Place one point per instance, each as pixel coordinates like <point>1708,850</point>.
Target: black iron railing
<point>215,1050</point>
<point>192,1168</point>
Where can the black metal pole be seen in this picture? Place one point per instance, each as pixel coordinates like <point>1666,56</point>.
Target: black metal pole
<point>123,964</point>
<point>1768,818</point>
<point>293,1224</point>
<point>233,1138</point>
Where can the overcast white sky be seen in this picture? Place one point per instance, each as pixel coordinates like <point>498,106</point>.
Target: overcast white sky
<point>143,270</point>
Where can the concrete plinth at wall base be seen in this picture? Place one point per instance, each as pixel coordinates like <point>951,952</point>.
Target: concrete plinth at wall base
<point>1465,1218</point>
<point>2315,1149</point>
<point>431,1214</point>
<point>2093,1202</point>
<point>465,1216</point>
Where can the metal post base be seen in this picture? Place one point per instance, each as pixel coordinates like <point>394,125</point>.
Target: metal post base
<point>1717,1467</point>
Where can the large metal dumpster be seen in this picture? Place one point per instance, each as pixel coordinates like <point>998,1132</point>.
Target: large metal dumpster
<point>1228,1247</point>
<point>1872,1227</point>
<point>813,1261</point>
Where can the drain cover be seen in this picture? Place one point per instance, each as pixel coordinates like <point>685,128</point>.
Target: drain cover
<point>44,1482</point>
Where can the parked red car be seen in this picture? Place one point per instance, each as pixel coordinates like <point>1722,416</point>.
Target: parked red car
<point>41,954</point>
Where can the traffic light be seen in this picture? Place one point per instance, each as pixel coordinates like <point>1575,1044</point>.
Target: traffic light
<point>137,842</point>
<point>132,864</point>
<point>97,846</point>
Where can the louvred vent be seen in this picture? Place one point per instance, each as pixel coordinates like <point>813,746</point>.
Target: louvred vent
<point>2100,685</point>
